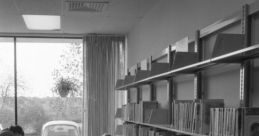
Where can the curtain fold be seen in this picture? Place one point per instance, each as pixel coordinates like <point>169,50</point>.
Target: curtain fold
<point>102,64</point>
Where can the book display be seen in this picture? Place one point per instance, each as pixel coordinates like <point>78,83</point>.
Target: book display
<point>198,87</point>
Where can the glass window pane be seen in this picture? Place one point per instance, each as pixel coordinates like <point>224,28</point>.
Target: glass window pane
<point>7,117</point>
<point>50,78</point>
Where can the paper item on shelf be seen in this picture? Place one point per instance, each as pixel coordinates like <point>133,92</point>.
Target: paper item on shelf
<point>181,45</point>
<point>165,51</point>
<point>159,56</point>
<point>132,70</point>
<point>144,64</point>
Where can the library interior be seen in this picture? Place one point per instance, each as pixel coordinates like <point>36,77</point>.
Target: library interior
<point>129,67</point>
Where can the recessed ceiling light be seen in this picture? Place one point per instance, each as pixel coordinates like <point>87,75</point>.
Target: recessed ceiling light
<point>42,22</point>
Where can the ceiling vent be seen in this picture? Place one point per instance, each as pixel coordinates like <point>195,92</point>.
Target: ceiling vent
<point>87,5</point>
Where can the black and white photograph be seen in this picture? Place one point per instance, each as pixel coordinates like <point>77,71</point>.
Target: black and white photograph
<point>129,67</point>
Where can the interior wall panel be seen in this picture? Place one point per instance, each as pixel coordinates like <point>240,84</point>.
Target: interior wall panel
<point>171,20</point>
<point>161,93</point>
<point>184,87</point>
<point>223,84</point>
<point>146,92</point>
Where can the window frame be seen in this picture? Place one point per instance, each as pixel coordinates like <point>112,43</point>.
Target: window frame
<point>15,37</point>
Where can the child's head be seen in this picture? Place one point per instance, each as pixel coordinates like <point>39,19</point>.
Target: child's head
<point>6,132</point>
<point>17,130</point>
<point>106,134</point>
<point>255,129</point>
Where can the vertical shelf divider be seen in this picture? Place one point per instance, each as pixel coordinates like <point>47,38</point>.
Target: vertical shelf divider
<point>245,69</point>
<point>152,86</point>
<point>139,93</point>
<point>170,86</point>
<point>152,92</point>
<point>198,91</point>
<point>128,91</point>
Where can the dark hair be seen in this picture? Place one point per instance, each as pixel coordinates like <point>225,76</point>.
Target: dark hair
<point>106,134</point>
<point>17,130</point>
<point>6,132</point>
<point>254,129</point>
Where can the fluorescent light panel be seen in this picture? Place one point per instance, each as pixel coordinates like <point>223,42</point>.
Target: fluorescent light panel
<point>42,22</point>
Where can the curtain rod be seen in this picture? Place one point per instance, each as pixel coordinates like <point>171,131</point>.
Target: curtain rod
<point>54,35</point>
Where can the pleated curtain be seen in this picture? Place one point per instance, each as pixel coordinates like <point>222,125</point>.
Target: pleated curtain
<point>103,65</point>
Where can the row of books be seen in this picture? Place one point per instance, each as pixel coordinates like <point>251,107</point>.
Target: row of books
<point>193,115</point>
<point>224,121</point>
<point>130,130</point>
<point>139,112</point>
<point>147,131</point>
<point>205,117</point>
<point>187,115</point>
<point>234,121</point>
<point>134,130</point>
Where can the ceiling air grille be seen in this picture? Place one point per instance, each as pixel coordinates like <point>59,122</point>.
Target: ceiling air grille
<point>87,5</point>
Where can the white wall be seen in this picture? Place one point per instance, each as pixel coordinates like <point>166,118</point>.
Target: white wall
<point>171,20</point>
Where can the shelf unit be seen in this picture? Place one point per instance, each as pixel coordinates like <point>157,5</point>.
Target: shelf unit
<point>242,51</point>
<point>233,57</point>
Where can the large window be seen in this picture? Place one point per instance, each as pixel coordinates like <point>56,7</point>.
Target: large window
<point>49,81</point>
<point>6,82</point>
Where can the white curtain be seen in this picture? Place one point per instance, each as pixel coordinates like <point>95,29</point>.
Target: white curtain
<point>104,63</point>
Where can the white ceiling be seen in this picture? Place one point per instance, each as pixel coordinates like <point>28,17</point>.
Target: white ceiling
<point>118,17</point>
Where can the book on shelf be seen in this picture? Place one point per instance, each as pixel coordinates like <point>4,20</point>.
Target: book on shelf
<point>145,109</point>
<point>130,130</point>
<point>181,59</point>
<point>119,130</point>
<point>159,117</point>
<point>234,121</point>
<point>183,115</point>
<point>139,112</point>
<point>119,113</point>
<point>205,112</point>
<point>226,43</point>
<point>193,115</point>
<point>141,74</point>
<point>181,45</point>
<point>128,79</point>
<point>225,121</point>
<point>145,64</point>
<point>158,68</point>
<point>143,70</point>
<point>119,83</point>
<point>123,112</point>
<point>132,69</point>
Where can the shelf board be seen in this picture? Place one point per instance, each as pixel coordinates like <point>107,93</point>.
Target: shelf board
<point>233,57</point>
<point>165,127</point>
